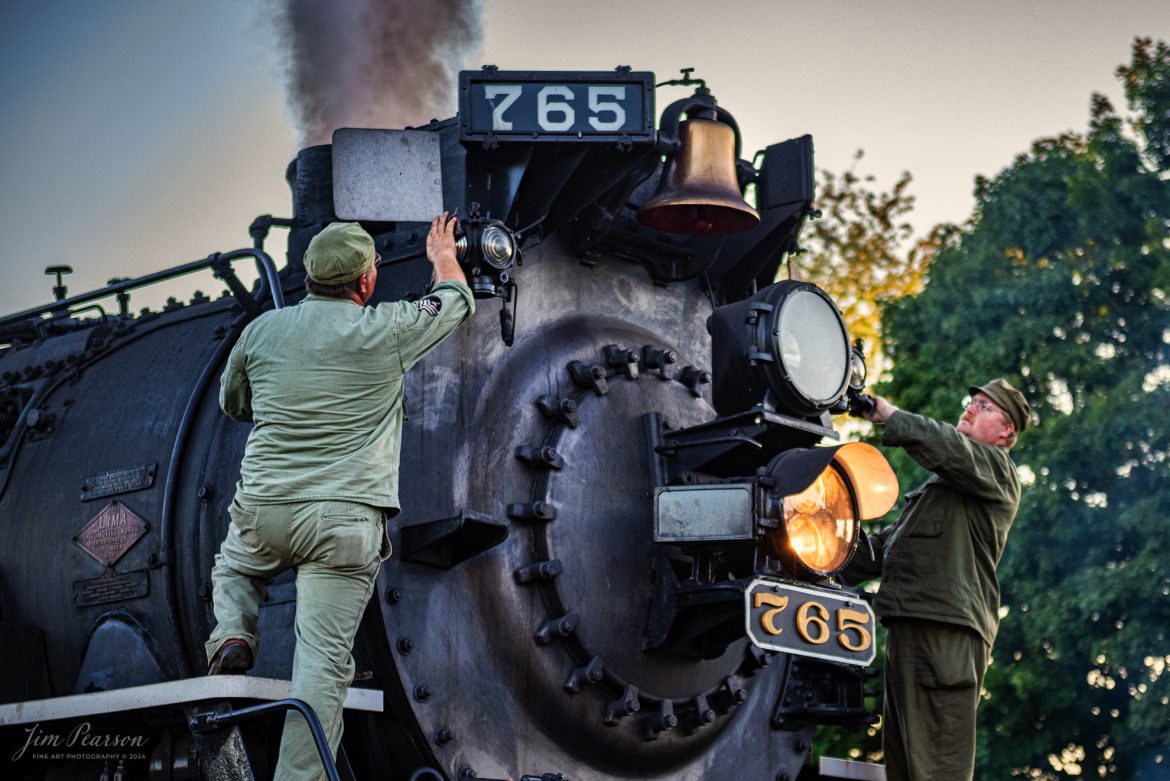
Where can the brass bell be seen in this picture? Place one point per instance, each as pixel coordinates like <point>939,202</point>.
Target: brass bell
<point>699,193</point>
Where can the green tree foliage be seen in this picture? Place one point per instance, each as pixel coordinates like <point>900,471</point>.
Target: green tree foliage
<point>862,250</point>
<point>1061,283</point>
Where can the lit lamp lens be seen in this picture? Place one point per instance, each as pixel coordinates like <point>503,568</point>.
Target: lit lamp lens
<point>821,523</point>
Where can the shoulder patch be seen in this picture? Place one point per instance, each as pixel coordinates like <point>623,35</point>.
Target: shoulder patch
<point>432,305</point>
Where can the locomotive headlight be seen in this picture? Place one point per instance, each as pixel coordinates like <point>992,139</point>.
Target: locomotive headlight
<point>486,250</point>
<point>805,512</point>
<point>814,348</point>
<point>485,242</point>
<point>499,250</point>
<point>821,496</point>
<point>820,523</point>
<point>786,345</point>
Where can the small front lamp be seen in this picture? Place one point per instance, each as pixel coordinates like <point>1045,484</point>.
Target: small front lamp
<point>486,249</point>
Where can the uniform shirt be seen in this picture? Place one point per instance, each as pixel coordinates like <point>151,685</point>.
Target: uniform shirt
<point>322,382</point>
<point>938,560</point>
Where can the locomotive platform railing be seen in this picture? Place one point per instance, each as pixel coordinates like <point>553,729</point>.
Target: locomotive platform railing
<point>177,694</point>
<point>212,687</point>
<point>213,721</point>
<point>219,262</point>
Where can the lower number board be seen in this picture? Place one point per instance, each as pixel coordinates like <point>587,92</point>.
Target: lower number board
<point>810,622</point>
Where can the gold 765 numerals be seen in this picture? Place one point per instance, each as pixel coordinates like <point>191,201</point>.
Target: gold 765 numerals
<point>812,622</point>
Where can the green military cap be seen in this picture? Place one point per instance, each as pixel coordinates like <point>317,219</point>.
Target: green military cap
<point>341,253</point>
<point>1009,400</point>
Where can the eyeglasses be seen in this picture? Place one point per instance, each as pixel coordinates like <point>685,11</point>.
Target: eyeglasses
<point>377,261</point>
<point>983,405</point>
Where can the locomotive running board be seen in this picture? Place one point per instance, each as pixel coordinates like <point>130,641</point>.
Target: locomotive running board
<point>171,693</point>
<point>831,767</point>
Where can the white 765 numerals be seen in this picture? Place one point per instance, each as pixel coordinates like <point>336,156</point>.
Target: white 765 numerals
<point>554,107</point>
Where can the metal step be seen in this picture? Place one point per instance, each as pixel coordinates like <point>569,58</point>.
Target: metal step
<point>831,767</point>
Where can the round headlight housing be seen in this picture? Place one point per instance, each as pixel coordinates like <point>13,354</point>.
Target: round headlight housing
<point>499,249</point>
<point>487,250</point>
<point>817,500</point>
<point>813,348</point>
<point>788,344</point>
<point>820,524</point>
<point>485,242</point>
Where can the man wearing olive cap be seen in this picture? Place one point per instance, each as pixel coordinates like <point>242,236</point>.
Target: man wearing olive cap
<point>322,383</point>
<point>939,595</point>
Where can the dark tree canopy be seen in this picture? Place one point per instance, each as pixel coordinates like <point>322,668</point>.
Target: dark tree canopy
<point>1061,283</point>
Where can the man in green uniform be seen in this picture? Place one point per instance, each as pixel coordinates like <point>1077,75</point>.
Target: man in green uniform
<point>939,595</point>
<point>322,382</point>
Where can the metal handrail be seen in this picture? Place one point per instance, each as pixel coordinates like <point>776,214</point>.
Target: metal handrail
<point>202,723</point>
<point>264,264</point>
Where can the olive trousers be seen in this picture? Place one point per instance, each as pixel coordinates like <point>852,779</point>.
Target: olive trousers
<point>336,548</point>
<point>933,675</point>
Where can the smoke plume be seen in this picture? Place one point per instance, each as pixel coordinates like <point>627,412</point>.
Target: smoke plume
<point>375,63</point>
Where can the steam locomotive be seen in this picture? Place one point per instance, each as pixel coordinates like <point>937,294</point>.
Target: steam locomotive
<point>620,535</point>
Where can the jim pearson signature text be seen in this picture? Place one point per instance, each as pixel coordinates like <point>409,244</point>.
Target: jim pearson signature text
<point>82,735</point>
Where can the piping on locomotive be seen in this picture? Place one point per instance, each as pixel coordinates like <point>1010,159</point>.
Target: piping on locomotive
<point>601,540</point>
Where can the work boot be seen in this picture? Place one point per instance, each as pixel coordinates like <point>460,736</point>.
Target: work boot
<point>233,658</point>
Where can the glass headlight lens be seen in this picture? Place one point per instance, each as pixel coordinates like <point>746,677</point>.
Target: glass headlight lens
<point>786,348</point>
<point>498,248</point>
<point>817,499</point>
<point>821,523</point>
<point>814,347</point>
<point>485,242</point>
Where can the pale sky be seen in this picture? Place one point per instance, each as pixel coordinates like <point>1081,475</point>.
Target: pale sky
<point>137,135</point>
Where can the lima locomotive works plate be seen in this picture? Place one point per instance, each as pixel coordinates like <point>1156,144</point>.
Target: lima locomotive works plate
<point>837,626</point>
